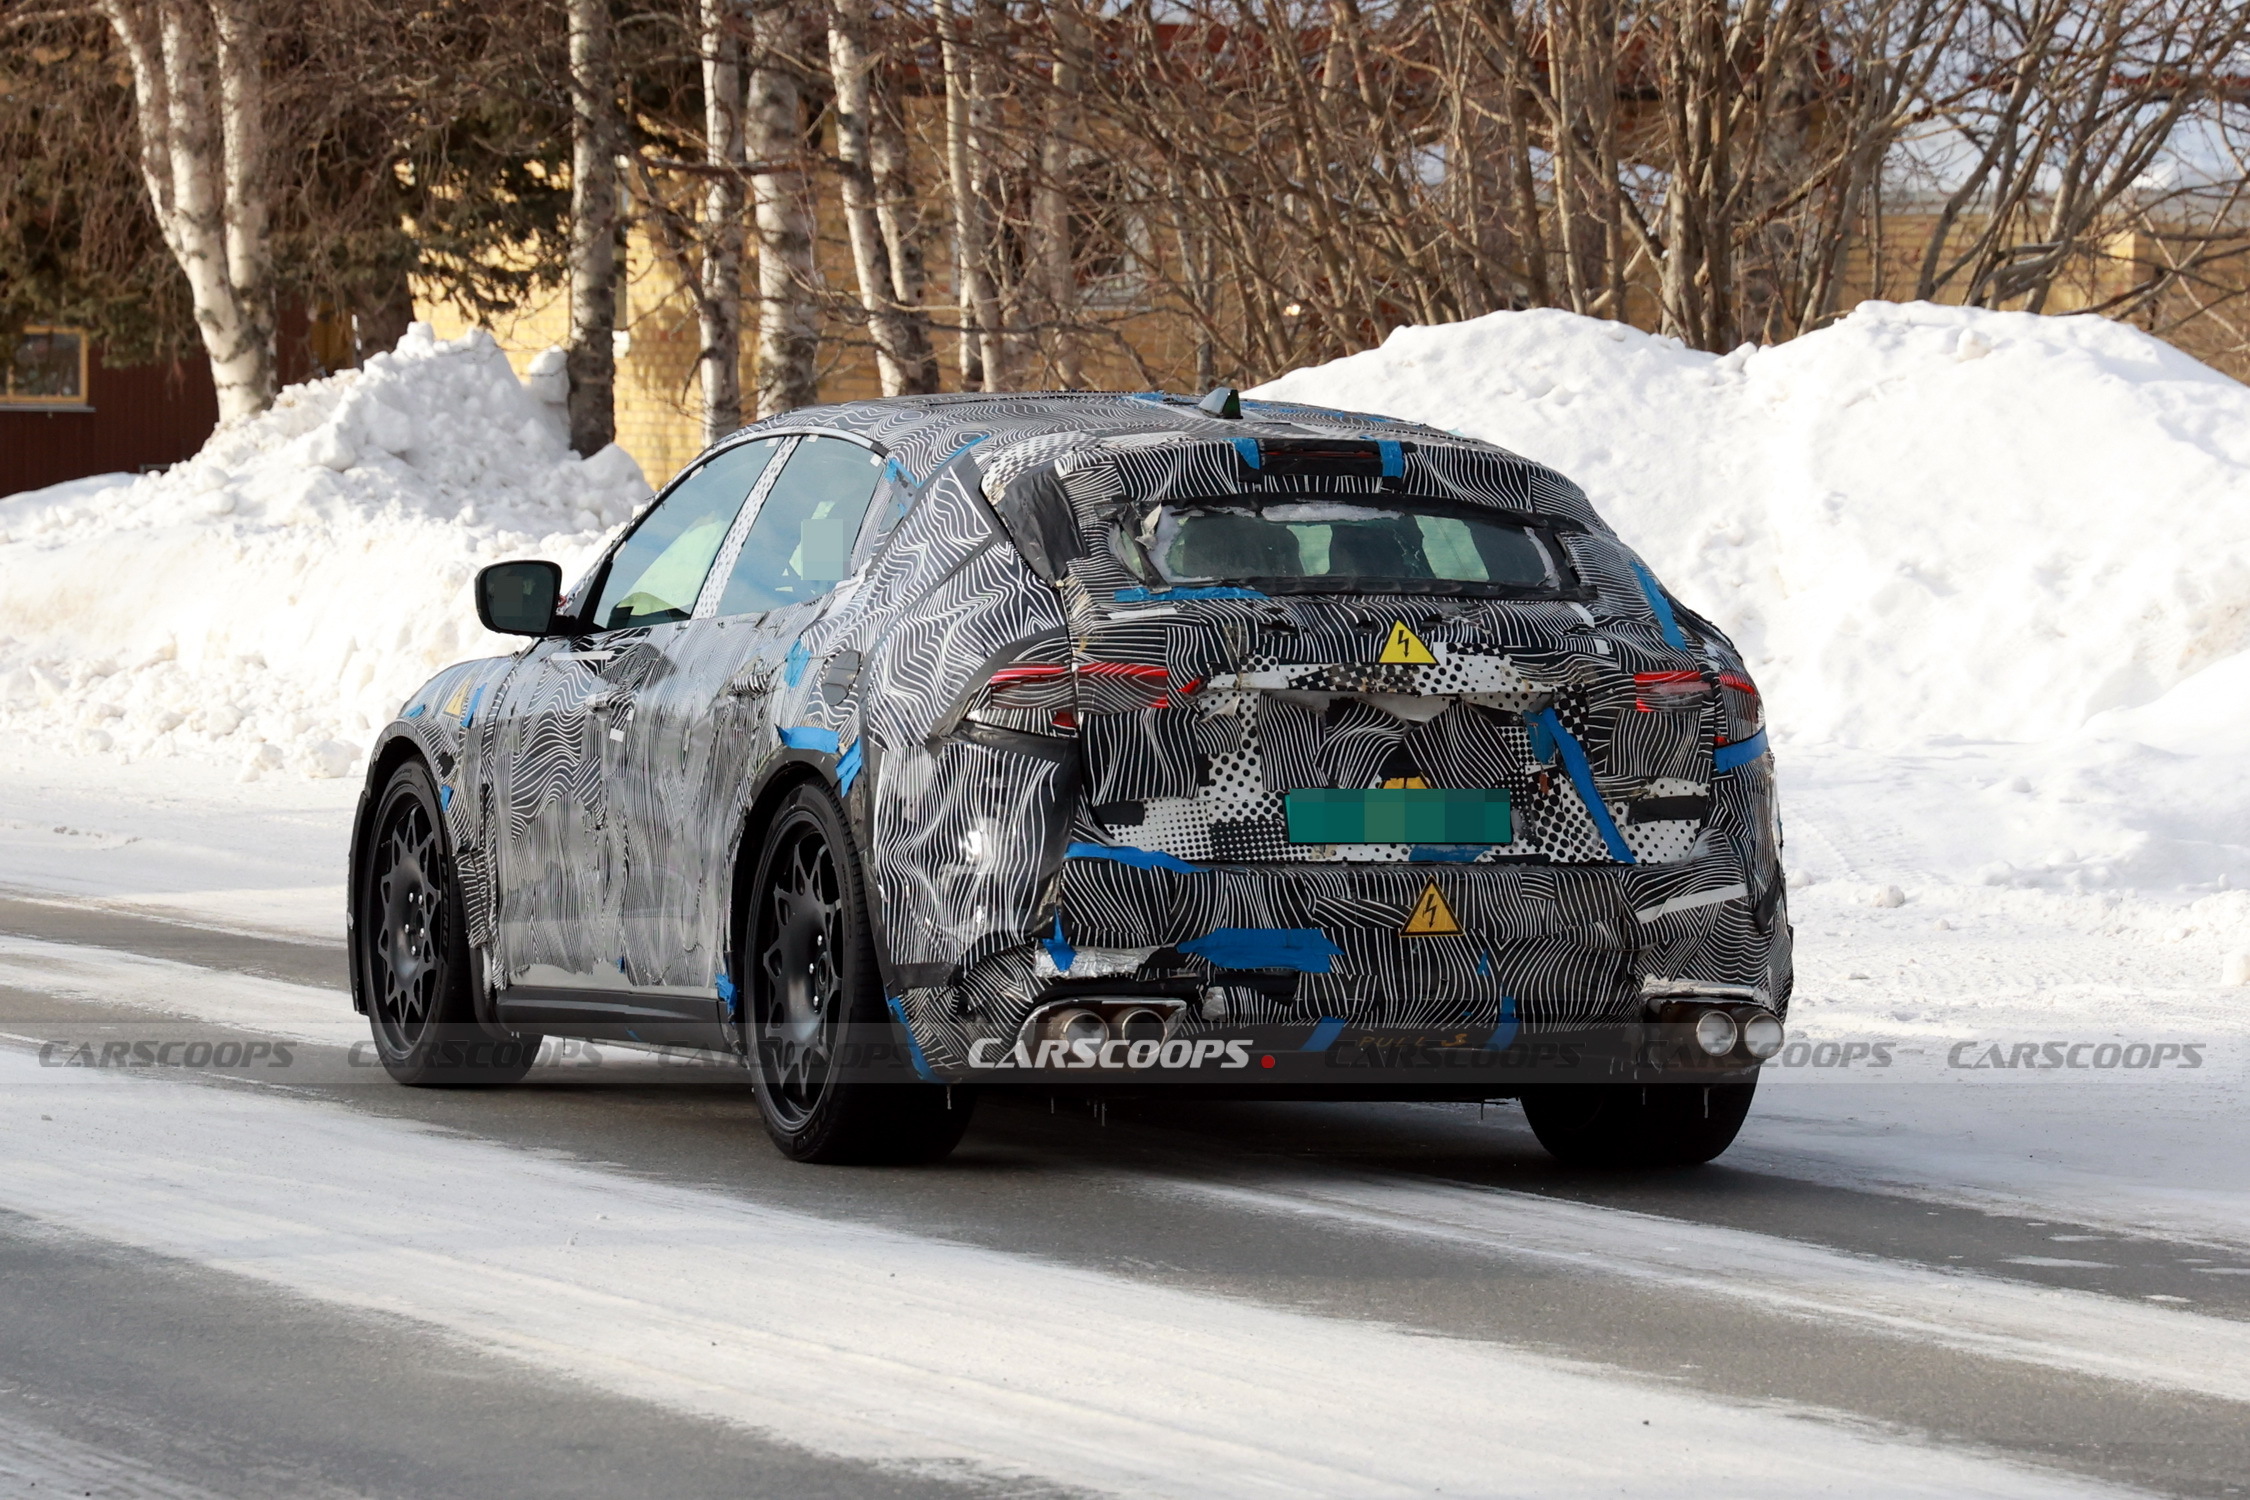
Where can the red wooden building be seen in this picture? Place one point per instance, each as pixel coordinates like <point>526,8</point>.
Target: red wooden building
<point>65,414</point>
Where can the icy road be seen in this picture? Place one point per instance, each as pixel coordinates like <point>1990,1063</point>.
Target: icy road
<point>1987,1231</point>
<point>299,1280</point>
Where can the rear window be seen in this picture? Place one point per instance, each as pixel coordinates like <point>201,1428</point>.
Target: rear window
<point>1309,547</point>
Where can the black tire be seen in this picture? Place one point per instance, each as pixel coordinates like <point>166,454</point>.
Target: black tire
<point>1638,1125</point>
<point>831,1085</point>
<point>411,937</point>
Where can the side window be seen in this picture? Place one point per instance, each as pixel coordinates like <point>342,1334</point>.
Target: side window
<point>657,572</point>
<point>800,546</point>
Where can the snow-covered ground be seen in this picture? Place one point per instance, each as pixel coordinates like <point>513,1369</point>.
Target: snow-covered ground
<point>1993,572</point>
<point>265,605</point>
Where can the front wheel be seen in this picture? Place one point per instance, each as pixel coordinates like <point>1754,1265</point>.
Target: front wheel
<point>1638,1125</point>
<point>413,951</point>
<point>819,1036</point>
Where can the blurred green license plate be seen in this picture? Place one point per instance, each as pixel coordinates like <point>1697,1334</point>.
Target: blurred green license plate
<point>1399,815</point>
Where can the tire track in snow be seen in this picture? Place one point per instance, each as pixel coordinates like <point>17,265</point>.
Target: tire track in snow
<point>876,1344</point>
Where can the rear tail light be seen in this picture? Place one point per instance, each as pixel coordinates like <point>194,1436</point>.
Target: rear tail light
<point>1029,687</point>
<point>1063,692</point>
<point>1116,687</point>
<point>1746,711</point>
<point>1670,691</point>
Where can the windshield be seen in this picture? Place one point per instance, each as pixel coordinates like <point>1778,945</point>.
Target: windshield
<point>1356,547</point>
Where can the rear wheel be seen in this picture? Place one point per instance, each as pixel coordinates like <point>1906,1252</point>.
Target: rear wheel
<point>413,951</point>
<point>828,1083</point>
<point>1638,1125</point>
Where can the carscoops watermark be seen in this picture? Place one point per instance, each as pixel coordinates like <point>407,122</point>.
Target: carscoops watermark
<point>172,1053</point>
<point>1218,1053</point>
<point>1978,1055</point>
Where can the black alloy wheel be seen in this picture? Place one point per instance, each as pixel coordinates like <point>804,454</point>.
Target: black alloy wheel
<point>833,1081</point>
<point>1637,1125</point>
<point>413,951</point>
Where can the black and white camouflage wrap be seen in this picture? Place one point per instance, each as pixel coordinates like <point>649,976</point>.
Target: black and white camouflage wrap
<point>598,788</point>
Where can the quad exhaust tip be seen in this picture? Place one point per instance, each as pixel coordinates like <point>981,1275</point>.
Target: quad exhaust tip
<point>1722,1029</point>
<point>1099,1019</point>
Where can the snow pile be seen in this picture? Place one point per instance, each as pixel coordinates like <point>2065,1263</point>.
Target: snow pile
<point>271,601</point>
<point>1994,566</point>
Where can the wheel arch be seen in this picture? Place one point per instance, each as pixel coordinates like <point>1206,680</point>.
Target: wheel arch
<point>749,843</point>
<point>394,750</point>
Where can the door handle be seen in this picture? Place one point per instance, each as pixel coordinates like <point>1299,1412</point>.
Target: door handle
<point>601,702</point>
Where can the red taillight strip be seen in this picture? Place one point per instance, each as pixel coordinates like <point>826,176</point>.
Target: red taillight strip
<point>1738,682</point>
<point>1669,689</point>
<point>1129,676</point>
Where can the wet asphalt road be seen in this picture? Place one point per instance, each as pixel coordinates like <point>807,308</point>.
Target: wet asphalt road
<point>118,1359</point>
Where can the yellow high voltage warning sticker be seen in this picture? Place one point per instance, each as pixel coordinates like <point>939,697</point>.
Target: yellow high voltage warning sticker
<point>1431,916</point>
<point>1405,648</point>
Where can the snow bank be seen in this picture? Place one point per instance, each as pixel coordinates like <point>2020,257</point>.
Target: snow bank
<point>1921,521</point>
<point>270,601</point>
<point>2003,560</point>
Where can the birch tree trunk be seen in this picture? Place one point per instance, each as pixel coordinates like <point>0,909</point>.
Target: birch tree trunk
<point>1050,211</point>
<point>899,215</point>
<point>989,29</point>
<point>199,107</point>
<point>973,252</point>
<point>591,356</point>
<point>972,282</point>
<point>788,317</point>
<point>719,306</point>
<point>851,68</point>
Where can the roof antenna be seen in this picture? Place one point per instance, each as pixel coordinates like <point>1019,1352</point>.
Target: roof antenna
<point>1224,401</point>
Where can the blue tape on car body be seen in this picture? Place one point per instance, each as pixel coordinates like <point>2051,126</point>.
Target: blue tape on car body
<point>1543,746</point>
<point>730,995</point>
<point>1504,1034</point>
<point>1305,949</point>
<point>1394,457</point>
<point>847,769</point>
<point>1139,859</point>
<point>807,737</point>
<point>1654,593</point>
<point>1248,448</point>
<point>469,714</point>
<point>793,665</point>
<point>1446,854</point>
<point>444,798</point>
<point>922,1067</point>
<point>1582,777</point>
<point>1058,947</point>
<point>1740,753</point>
<point>1324,1035</point>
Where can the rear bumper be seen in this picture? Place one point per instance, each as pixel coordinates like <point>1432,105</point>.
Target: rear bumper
<point>1333,1059</point>
<point>1335,979</point>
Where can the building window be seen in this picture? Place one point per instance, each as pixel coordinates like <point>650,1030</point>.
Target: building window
<point>48,369</point>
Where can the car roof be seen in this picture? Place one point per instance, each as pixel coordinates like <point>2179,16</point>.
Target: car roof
<point>922,431</point>
<point>1013,436</point>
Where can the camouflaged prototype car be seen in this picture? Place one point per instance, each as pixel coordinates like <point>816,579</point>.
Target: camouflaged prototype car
<point>911,749</point>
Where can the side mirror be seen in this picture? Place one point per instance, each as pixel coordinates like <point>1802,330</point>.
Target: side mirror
<point>518,598</point>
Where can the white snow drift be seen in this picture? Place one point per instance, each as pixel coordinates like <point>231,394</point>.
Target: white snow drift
<point>1991,569</point>
<point>271,600</point>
